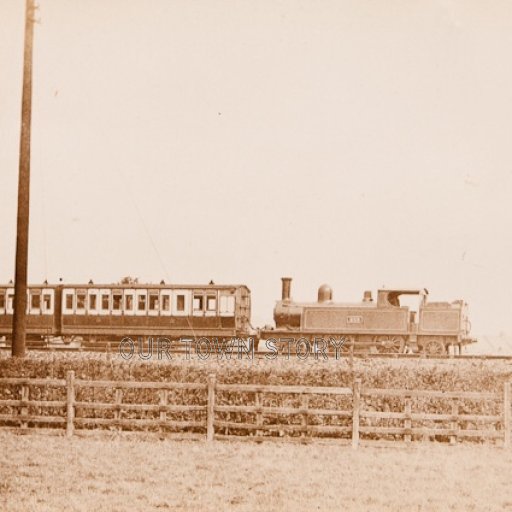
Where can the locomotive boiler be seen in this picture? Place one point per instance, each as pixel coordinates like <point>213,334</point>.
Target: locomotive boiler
<point>383,325</point>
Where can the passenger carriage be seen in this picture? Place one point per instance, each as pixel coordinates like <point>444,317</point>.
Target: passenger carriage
<point>94,313</point>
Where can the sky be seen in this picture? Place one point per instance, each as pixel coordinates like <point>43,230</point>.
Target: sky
<point>356,143</point>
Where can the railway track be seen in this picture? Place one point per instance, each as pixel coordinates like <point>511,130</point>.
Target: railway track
<point>265,354</point>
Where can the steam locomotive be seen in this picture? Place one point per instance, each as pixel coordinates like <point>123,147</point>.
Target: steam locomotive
<point>383,326</point>
<point>92,314</point>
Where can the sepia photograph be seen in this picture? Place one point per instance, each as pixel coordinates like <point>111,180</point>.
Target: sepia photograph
<point>255,255</point>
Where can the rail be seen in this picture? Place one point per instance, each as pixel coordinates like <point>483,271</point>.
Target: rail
<point>263,354</point>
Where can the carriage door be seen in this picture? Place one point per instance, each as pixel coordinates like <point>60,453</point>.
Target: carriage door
<point>105,301</point>
<point>9,305</point>
<point>181,302</point>
<point>93,301</point>
<point>68,301</point>
<point>141,306</point>
<point>2,302</point>
<point>129,302</point>
<point>81,298</point>
<point>211,303</point>
<point>198,304</point>
<point>165,302</point>
<point>227,304</point>
<point>153,302</point>
<point>34,301</point>
<point>117,302</point>
<point>48,301</point>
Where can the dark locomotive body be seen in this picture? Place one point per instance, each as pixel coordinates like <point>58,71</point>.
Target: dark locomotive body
<point>383,326</point>
<point>93,313</point>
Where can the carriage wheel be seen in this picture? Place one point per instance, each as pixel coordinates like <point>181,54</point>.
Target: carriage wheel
<point>433,347</point>
<point>390,344</point>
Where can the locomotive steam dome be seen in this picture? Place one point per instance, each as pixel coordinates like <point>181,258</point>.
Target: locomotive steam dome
<point>324,293</point>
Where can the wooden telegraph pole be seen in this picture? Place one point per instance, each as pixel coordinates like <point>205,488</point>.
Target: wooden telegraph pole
<point>20,284</point>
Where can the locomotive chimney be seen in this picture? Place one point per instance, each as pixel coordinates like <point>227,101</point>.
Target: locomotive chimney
<point>287,282</point>
<point>367,296</point>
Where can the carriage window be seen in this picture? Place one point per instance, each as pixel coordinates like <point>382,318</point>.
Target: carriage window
<point>166,303</point>
<point>180,302</point>
<point>105,301</point>
<point>116,301</point>
<point>69,301</point>
<point>47,301</point>
<point>153,301</point>
<point>80,300</point>
<point>35,300</point>
<point>142,303</point>
<point>92,302</point>
<point>2,300</point>
<point>128,302</point>
<point>211,303</point>
<point>198,303</point>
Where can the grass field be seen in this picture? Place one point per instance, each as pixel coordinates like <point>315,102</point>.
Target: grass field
<point>46,473</point>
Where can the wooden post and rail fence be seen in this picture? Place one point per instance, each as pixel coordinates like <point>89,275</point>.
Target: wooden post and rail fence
<point>258,417</point>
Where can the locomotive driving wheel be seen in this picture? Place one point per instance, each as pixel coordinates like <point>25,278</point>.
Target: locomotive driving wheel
<point>390,344</point>
<point>433,347</point>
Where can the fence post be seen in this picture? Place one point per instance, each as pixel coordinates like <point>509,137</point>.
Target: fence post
<point>259,417</point>
<point>117,409</point>
<point>163,403</point>
<point>304,404</point>
<point>455,423</point>
<point>506,414</point>
<point>356,402</point>
<point>210,409</point>
<point>25,395</point>
<point>407,423</point>
<point>70,403</point>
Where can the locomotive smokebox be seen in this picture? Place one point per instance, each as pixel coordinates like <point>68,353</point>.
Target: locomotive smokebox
<point>324,293</point>
<point>287,283</point>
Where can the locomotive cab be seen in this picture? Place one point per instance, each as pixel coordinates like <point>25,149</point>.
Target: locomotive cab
<point>391,298</point>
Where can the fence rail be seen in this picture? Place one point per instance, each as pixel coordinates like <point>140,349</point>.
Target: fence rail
<point>258,412</point>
